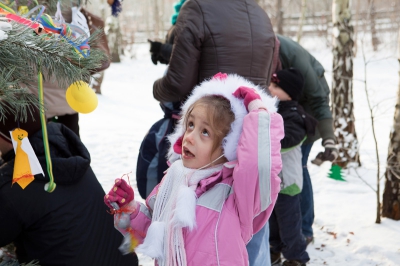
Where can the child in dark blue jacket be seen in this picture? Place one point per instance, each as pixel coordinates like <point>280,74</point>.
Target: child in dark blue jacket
<point>285,221</point>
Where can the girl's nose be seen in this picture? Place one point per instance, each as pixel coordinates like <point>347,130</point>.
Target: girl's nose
<point>190,137</point>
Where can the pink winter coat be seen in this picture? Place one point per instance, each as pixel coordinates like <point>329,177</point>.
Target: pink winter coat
<point>234,203</point>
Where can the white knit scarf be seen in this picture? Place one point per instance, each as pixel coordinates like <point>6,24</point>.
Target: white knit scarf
<point>175,208</point>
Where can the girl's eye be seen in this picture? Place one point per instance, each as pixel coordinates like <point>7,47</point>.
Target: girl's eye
<point>190,125</point>
<point>205,133</point>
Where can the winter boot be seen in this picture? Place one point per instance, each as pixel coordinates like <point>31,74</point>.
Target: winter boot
<point>309,239</point>
<point>293,263</point>
<point>276,259</point>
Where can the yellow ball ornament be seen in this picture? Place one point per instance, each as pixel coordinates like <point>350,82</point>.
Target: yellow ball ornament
<point>81,97</point>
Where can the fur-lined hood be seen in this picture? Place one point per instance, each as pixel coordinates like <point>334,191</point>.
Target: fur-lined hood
<point>224,85</point>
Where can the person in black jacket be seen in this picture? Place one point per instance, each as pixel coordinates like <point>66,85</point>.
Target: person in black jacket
<point>69,226</point>
<point>285,222</point>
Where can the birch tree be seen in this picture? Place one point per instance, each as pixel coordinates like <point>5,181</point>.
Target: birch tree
<point>279,17</point>
<point>301,19</point>
<point>391,194</point>
<point>342,84</point>
<point>156,17</point>
<point>374,38</point>
<point>114,37</point>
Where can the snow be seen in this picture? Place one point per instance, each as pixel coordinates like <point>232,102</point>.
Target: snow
<point>345,230</point>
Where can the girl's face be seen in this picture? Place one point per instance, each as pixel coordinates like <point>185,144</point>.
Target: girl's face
<point>277,91</point>
<point>198,140</point>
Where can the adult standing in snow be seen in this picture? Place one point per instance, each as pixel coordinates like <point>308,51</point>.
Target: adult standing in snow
<point>69,226</point>
<point>315,101</point>
<point>151,162</point>
<point>217,36</point>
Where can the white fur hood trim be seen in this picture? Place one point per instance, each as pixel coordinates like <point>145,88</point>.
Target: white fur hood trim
<point>224,87</point>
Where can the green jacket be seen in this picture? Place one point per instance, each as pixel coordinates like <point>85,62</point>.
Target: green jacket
<point>315,97</point>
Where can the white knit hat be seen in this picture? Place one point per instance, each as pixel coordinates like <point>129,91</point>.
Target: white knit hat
<point>223,85</point>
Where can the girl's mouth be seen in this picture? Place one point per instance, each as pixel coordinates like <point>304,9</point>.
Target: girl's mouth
<point>187,153</point>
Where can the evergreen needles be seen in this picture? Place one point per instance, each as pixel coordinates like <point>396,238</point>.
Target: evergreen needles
<point>23,53</point>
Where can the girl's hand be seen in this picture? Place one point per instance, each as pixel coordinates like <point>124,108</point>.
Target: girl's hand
<point>251,98</point>
<point>121,194</point>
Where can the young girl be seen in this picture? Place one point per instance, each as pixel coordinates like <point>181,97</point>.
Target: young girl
<point>222,183</point>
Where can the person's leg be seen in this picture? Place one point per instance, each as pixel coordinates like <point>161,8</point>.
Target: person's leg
<point>275,243</point>
<point>70,121</point>
<point>306,196</point>
<point>258,248</point>
<point>288,216</point>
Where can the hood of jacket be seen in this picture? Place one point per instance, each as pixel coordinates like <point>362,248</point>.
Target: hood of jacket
<point>69,157</point>
<point>223,85</point>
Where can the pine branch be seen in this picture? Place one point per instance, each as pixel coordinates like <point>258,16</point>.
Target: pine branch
<point>15,99</point>
<point>24,53</point>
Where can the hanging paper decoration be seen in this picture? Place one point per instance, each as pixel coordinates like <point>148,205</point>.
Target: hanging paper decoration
<point>26,164</point>
<point>81,97</point>
<point>336,173</point>
<point>43,23</point>
<point>4,27</point>
<point>122,223</point>
<point>71,33</point>
<point>5,9</point>
<point>22,10</point>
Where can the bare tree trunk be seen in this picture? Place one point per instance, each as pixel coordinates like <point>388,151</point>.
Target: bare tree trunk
<point>147,5</point>
<point>342,84</point>
<point>279,17</point>
<point>97,81</point>
<point>114,37</point>
<point>357,18</point>
<point>374,39</point>
<point>391,194</point>
<point>301,20</point>
<point>161,16</point>
<point>156,19</point>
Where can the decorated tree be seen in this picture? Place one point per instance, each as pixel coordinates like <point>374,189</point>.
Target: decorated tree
<point>33,48</point>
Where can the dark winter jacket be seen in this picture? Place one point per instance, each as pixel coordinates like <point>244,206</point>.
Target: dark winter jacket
<point>298,125</point>
<point>217,36</point>
<point>315,96</point>
<point>69,226</point>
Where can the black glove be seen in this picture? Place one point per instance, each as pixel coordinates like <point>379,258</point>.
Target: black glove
<point>162,60</point>
<point>154,59</point>
<point>155,48</point>
<point>330,153</point>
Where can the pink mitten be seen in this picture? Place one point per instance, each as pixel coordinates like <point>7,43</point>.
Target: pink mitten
<point>121,193</point>
<point>250,98</point>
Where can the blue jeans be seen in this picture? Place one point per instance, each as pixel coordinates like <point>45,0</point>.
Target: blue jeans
<point>258,248</point>
<point>285,229</point>
<point>306,196</point>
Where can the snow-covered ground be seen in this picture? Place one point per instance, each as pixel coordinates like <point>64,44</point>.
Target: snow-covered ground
<point>345,229</point>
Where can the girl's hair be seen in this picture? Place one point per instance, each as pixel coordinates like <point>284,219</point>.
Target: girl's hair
<point>219,115</point>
